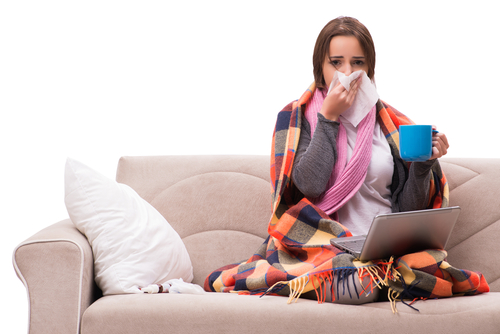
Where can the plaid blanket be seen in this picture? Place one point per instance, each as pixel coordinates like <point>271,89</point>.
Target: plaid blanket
<point>297,258</point>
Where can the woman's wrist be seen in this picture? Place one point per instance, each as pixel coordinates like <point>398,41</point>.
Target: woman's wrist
<point>323,118</point>
<point>329,116</point>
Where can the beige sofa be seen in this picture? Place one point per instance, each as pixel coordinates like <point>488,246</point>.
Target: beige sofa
<point>208,200</point>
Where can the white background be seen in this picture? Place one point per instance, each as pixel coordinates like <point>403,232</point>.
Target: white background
<point>95,80</point>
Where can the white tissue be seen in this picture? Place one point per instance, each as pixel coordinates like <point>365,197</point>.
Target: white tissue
<point>174,286</point>
<point>366,96</point>
<point>152,288</point>
<point>179,286</point>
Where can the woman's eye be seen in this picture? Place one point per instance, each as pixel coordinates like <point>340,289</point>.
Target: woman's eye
<point>359,63</point>
<point>335,63</point>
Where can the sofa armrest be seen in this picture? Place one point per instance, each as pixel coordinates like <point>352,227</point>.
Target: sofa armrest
<point>56,266</point>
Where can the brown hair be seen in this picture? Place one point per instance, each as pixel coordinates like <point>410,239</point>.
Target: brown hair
<point>342,26</point>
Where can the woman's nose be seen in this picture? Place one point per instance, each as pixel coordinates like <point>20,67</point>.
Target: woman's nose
<point>348,70</point>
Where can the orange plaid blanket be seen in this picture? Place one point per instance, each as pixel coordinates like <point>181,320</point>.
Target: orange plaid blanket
<point>297,257</point>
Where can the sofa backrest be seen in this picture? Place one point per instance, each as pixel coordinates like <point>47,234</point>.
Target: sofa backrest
<point>220,206</point>
<point>475,241</point>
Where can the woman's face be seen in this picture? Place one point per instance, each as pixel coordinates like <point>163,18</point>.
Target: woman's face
<point>345,55</point>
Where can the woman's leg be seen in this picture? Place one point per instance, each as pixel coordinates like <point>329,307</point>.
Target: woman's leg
<point>350,291</point>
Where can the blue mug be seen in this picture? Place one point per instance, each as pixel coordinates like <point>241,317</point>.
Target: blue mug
<point>415,142</point>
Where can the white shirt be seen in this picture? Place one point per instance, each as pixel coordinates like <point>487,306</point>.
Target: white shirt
<point>374,196</point>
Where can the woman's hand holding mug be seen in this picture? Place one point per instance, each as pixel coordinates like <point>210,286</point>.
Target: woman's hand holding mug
<point>439,144</point>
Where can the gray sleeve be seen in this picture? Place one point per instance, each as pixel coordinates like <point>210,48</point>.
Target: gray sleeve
<point>315,158</point>
<point>415,192</point>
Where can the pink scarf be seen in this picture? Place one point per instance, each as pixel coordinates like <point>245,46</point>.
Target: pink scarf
<point>346,178</point>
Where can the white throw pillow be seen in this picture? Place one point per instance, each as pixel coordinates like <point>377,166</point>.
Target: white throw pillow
<point>133,245</point>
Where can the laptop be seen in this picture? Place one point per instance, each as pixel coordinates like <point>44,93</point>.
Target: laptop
<point>397,234</point>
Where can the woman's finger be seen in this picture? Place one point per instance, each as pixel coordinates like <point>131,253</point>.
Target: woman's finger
<point>443,149</point>
<point>353,89</point>
<point>435,153</point>
<point>441,143</point>
<point>443,138</point>
<point>356,82</point>
<point>355,85</point>
<point>339,88</point>
<point>439,148</point>
<point>440,135</point>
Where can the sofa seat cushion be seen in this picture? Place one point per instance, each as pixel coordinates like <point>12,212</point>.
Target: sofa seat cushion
<point>232,313</point>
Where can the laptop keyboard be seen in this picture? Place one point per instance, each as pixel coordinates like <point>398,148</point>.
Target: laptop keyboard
<point>354,245</point>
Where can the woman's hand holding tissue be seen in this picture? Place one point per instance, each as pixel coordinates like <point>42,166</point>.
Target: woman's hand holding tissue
<point>339,99</point>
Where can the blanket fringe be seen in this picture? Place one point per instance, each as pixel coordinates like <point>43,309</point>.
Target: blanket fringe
<point>391,274</point>
<point>319,280</point>
<point>297,287</point>
<point>277,287</point>
<point>379,276</point>
<point>393,295</point>
<point>375,280</point>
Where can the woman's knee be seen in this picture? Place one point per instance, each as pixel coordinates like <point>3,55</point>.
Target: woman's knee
<point>349,290</point>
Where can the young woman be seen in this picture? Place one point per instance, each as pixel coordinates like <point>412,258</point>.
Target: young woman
<point>346,46</point>
<point>332,171</point>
